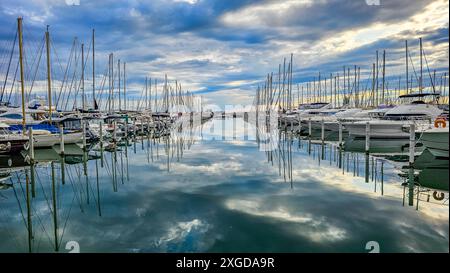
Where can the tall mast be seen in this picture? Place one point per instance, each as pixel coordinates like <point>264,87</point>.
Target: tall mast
<point>124,87</point>
<point>49,85</point>
<point>421,70</point>
<point>373,84</point>
<point>149,101</point>
<point>118,72</point>
<point>22,87</point>
<point>376,83</point>
<point>384,74</point>
<point>93,68</point>
<point>110,82</point>
<point>82,76</point>
<point>407,77</point>
<point>146,92</point>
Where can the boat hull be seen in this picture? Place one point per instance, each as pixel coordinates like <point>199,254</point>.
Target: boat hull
<point>41,141</point>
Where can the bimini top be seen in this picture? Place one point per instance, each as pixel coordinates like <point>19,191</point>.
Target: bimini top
<point>419,95</point>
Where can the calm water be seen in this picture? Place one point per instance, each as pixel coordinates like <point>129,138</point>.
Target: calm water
<point>197,192</point>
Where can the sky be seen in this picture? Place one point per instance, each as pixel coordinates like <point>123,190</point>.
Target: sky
<point>224,49</point>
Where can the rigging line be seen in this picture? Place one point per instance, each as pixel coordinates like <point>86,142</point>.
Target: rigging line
<point>43,191</point>
<point>29,69</point>
<point>69,63</point>
<point>58,60</point>
<point>76,56</point>
<point>37,68</point>
<point>100,96</point>
<point>9,65</point>
<point>8,230</point>
<point>14,81</point>
<point>65,222</point>
<point>75,190</point>
<point>429,73</point>
<point>20,206</point>
<point>414,69</point>
<point>65,84</point>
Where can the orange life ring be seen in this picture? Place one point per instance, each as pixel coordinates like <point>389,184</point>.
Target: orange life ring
<point>440,122</point>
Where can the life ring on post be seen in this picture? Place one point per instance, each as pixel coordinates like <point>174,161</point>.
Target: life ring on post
<point>440,123</point>
<point>438,197</point>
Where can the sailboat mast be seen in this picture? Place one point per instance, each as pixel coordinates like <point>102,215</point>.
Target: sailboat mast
<point>118,72</point>
<point>93,68</point>
<point>22,87</point>
<point>82,76</point>
<point>124,87</point>
<point>407,77</point>
<point>421,67</point>
<point>49,85</point>
<point>384,74</point>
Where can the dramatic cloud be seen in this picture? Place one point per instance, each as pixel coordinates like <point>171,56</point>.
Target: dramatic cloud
<point>227,47</point>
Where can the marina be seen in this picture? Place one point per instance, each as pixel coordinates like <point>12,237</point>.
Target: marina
<point>96,157</point>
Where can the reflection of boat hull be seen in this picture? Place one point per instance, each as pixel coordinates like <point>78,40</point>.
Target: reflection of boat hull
<point>434,178</point>
<point>428,158</point>
<point>377,145</point>
<point>436,140</point>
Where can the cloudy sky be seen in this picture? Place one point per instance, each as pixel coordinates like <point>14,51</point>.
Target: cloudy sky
<point>224,49</point>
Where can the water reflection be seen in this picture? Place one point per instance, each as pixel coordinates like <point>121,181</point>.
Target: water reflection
<point>223,186</point>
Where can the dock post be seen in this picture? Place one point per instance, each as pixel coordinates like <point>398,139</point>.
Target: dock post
<point>299,124</point>
<point>309,135</point>
<point>114,131</point>
<point>340,145</point>
<point>309,128</point>
<point>84,135</point>
<point>31,155</point>
<point>126,129</point>
<point>61,138</point>
<point>367,148</point>
<point>412,144</point>
<point>31,143</point>
<point>101,144</point>
<point>322,137</point>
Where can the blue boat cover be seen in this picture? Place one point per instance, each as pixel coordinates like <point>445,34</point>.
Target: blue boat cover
<point>18,127</point>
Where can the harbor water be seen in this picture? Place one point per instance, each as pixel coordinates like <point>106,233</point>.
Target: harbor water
<point>219,187</point>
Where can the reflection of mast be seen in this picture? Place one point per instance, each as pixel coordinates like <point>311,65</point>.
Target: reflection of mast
<point>55,216</point>
<point>29,225</point>
<point>98,189</point>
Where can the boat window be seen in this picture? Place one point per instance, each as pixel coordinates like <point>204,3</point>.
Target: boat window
<point>12,116</point>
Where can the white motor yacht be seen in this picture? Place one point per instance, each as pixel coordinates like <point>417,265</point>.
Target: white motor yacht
<point>395,122</point>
